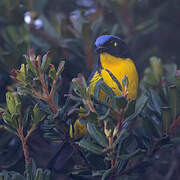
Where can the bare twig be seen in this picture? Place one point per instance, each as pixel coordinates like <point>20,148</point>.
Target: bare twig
<point>174,125</point>
<point>20,134</point>
<point>48,96</point>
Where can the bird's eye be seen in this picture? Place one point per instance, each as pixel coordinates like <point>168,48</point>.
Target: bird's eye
<point>115,44</point>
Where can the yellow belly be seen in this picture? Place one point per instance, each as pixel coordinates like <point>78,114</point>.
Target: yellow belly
<point>119,68</point>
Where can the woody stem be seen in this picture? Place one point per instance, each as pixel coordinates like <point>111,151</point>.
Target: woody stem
<point>24,145</point>
<point>48,95</point>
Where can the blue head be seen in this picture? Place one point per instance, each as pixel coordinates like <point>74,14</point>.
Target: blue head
<point>112,45</point>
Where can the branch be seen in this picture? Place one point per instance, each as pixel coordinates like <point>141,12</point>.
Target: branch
<point>24,144</point>
<point>174,125</point>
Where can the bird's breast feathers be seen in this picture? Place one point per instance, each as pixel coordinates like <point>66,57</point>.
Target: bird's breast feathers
<point>118,68</point>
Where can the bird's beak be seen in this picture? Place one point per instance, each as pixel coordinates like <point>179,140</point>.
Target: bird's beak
<point>100,49</point>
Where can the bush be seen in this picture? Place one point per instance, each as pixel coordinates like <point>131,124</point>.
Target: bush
<point>124,136</point>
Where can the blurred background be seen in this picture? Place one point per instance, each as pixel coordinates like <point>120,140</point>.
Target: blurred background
<point>68,28</point>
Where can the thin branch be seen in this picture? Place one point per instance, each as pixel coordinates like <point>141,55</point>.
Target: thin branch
<point>52,87</point>
<point>30,132</point>
<point>20,134</point>
<point>174,125</point>
<point>44,86</point>
<point>48,99</point>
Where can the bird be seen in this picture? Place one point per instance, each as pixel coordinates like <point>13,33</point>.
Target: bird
<point>114,63</point>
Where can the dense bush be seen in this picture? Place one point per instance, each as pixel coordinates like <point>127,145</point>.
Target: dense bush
<point>39,111</point>
<point>124,136</point>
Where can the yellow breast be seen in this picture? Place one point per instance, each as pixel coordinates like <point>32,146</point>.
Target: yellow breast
<point>119,68</point>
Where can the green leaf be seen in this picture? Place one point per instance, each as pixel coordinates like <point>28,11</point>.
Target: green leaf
<point>80,170</point>
<point>150,127</point>
<point>157,67</point>
<point>97,134</point>
<point>163,141</point>
<point>52,72</point>
<point>17,176</point>
<point>170,70</point>
<point>2,110</point>
<point>39,174</point>
<point>97,88</point>
<point>173,101</point>
<point>104,116</point>
<point>26,115</point>
<point>47,174</point>
<point>37,114</point>
<point>121,102</point>
<point>107,90</point>
<point>7,117</point>
<point>92,117</point>
<point>15,121</point>
<point>61,68</point>
<point>166,119</point>
<point>130,108</point>
<point>11,175</point>
<point>131,155</point>
<point>122,165</point>
<point>89,146</point>
<point>175,140</point>
<point>30,170</point>
<point>156,101</point>
<point>13,103</point>
<point>149,77</point>
<point>177,83</point>
<point>31,66</point>
<point>140,104</point>
<point>81,89</point>
<point>46,60</point>
<point>125,81</point>
<point>3,176</point>
<point>98,172</point>
<point>107,173</point>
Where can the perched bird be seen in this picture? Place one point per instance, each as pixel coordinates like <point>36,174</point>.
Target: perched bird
<point>113,64</point>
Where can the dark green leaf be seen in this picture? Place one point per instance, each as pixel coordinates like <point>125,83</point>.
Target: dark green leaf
<point>31,66</point>
<point>104,117</point>
<point>60,68</point>
<point>151,127</point>
<point>173,101</point>
<point>47,174</point>
<point>89,146</point>
<point>37,114</point>
<point>98,173</point>
<point>156,101</point>
<point>166,119</point>
<point>81,89</point>
<point>121,102</point>
<point>107,90</point>
<point>131,155</point>
<point>39,174</point>
<point>107,173</point>
<point>97,134</point>
<point>125,81</point>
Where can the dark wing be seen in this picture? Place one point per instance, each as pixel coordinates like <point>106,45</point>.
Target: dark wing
<point>92,74</point>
